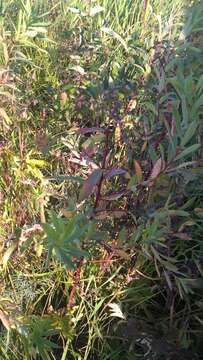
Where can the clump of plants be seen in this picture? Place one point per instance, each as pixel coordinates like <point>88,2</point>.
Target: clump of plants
<point>101,180</point>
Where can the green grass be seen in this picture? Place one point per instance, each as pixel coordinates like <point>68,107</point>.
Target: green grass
<point>101,200</point>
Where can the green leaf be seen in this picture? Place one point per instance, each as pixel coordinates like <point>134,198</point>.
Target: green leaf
<point>169,266</point>
<point>188,151</point>
<point>178,213</point>
<point>200,84</point>
<point>177,117</point>
<point>184,110</point>
<point>58,224</point>
<point>64,258</point>
<point>152,153</point>
<point>50,232</point>
<point>196,106</point>
<point>76,252</point>
<point>189,133</point>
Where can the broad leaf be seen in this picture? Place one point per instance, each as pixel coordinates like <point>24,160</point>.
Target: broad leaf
<point>90,183</point>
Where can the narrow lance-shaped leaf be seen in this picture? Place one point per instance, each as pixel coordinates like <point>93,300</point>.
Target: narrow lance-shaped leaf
<point>189,133</point>
<point>138,171</point>
<point>188,151</point>
<point>4,116</point>
<point>108,214</point>
<point>74,10</point>
<point>115,195</point>
<point>156,169</point>
<point>114,172</point>
<point>89,130</point>
<point>197,106</point>
<point>90,183</point>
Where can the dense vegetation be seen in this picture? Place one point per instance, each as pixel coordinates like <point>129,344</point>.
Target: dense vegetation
<point>101,179</point>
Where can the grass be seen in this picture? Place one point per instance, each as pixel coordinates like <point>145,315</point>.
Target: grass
<point>101,179</point>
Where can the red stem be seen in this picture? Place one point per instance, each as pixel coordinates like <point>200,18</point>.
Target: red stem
<point>106,150</point>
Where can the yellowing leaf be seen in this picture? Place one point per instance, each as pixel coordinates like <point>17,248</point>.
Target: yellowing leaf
<point>39,249</point>
<point>67,213</point>
<point>36,162</point>
<point>5,117</point>
<point>138,171</point>
<point>5,52</point>
<point>118,134</point>
<point>8,253</point>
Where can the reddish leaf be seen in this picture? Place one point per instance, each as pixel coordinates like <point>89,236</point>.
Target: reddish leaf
<point>108,214</point>
<point>156,169</point>
<point>89,130</point>
<point>90,183</point>
<point>113,172</point>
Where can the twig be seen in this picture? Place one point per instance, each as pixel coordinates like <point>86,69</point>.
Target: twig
<point>75,283</point>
